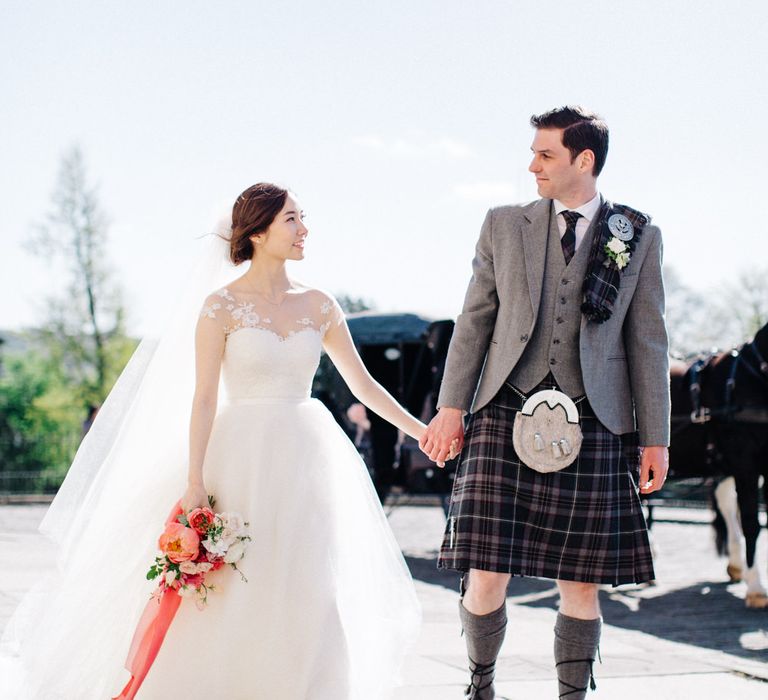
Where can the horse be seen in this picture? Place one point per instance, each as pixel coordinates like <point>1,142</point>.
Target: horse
<point>720,428</point>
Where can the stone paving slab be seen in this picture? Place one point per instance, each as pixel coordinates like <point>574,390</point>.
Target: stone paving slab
<point>689,635</point>
<point>714,686</point>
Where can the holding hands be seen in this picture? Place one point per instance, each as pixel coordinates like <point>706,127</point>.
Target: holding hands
<point>444,436</point>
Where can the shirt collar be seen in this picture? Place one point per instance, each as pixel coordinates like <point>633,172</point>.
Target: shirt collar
<point>587,210</point>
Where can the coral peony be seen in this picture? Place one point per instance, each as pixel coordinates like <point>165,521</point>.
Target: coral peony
<point>179,543</point>
<point>200,519</point>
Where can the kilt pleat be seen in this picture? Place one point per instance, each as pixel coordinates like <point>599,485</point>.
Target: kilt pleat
<point>583,523</point>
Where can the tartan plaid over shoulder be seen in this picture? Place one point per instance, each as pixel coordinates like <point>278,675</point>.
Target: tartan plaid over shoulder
<point>601,283</point>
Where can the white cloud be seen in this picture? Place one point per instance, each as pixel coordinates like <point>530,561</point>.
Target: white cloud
<point>415,147</point>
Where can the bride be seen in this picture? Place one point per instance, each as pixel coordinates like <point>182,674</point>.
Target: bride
<point>328,609</point>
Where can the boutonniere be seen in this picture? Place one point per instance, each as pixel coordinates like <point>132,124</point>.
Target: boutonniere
<point>616,249</point>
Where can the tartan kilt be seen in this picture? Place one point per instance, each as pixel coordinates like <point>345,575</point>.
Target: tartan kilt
<point>583,523</point>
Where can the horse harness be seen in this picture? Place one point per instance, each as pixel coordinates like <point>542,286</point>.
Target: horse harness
<point>703,415</point>
<point>757,366</point>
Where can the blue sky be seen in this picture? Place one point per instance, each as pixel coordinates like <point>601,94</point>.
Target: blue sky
<point>397,123</point>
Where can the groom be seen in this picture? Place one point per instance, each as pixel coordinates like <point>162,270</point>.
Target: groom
<point>566,294</point>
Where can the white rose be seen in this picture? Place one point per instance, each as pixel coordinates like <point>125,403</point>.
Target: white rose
<point>227,537</point>
<point>188,567</point>
<point>217,548</point>
<point>234,522</point>
<point>170,577</point>
<point>235,552</point>
<point>616,246</point>
<point>622,260</point>
<point>204,567</point>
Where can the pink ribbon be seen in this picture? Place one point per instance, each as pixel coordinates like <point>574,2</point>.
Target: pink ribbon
<point>150,632</point>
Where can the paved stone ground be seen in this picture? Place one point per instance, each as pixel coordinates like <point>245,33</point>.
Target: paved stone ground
<point>690,635</point>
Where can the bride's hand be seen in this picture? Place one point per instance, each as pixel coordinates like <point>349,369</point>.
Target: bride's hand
<point>194,497</point>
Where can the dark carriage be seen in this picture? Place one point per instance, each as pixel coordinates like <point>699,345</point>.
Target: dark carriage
<point>406,354</point>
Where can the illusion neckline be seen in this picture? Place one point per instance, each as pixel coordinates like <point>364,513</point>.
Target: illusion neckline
<point>280,337</point>
<point>262,296</point>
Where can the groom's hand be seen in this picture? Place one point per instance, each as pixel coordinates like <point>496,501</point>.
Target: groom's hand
<point>654,464</point>
<point>445,430</point>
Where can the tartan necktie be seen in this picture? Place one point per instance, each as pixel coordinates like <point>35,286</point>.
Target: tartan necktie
<point>568,241</point>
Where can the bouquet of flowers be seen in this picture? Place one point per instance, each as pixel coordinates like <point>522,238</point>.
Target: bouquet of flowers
<point>191,545</point>
<point>194,544</point>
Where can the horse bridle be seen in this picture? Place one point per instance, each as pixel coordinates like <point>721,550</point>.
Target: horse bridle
<point>762,366</point>
<point>760,372</point>
<point>702,414</point>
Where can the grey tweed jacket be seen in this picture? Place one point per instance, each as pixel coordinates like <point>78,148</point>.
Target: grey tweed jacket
<point>624,361</point>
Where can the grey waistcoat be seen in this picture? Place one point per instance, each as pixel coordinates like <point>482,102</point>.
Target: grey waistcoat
<point>554,343</point>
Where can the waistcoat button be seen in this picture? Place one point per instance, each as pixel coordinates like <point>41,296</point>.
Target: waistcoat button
<point>524,338</point>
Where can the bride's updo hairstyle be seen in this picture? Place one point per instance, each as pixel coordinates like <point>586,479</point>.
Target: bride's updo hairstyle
<point>253,212</point>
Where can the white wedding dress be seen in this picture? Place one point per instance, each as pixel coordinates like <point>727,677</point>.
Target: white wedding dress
<point>329,608</point>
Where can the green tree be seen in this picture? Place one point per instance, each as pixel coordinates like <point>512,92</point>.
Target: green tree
<point>74,357</point>
<point>84,332</point>
<point>40,428</point>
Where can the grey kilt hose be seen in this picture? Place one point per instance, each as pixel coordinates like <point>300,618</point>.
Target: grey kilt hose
<point>583,523</point>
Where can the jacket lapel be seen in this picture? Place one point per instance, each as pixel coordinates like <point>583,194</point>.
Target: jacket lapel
<point>535,231</point>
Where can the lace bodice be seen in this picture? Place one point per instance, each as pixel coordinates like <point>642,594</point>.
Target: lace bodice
<point>271,350</point>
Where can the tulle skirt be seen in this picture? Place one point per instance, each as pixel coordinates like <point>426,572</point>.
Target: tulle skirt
<point>328,610</point>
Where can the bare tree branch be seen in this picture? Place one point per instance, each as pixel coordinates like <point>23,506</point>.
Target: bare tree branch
<point>81,324</point>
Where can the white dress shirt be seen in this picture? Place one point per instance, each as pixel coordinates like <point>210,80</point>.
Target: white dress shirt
<point>588,212</point>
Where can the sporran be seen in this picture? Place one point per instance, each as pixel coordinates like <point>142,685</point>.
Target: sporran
<point>546,432</point>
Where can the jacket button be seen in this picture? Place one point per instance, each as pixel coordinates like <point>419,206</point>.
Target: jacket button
<point>524,338</point>
<point>559,319</point>
<point>562,300</point>
<point>564,282</point>
<point>556,341</point>
<point>552,361</point>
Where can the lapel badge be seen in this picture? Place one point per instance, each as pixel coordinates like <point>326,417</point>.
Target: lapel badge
<point>621,227</point>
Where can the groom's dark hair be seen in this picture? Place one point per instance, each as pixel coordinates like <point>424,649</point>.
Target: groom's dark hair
<point>582,130</point>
